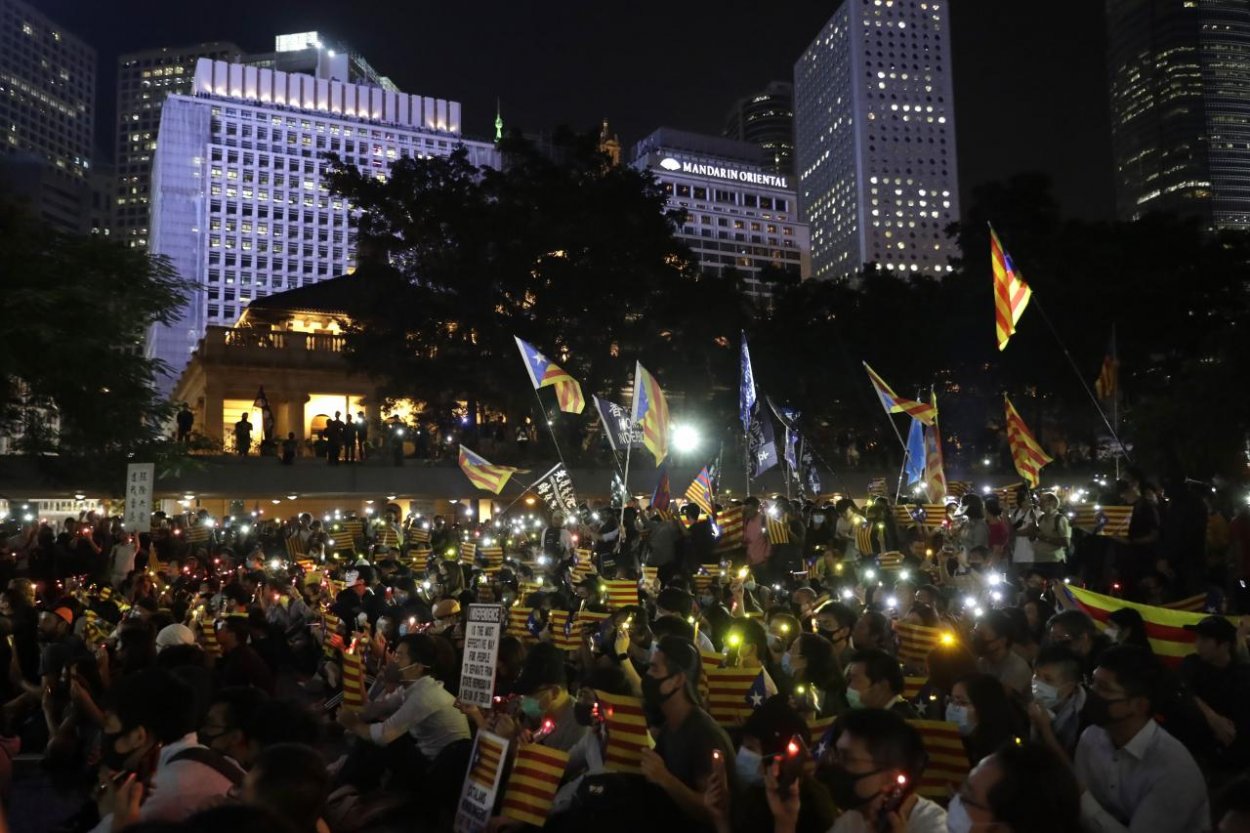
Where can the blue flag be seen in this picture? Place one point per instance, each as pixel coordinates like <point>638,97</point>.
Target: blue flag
<point>915,451</point>
<point>746,387</point>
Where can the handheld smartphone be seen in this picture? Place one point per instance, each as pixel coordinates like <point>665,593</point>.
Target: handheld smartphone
<point>791,762</point>
<point>894,797</point>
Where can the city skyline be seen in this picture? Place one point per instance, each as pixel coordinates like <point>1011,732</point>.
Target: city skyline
<point>654,68</point>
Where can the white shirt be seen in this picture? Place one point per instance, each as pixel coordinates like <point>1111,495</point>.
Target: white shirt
<point>1151,785</point>
<point>423,709</point>
<point>926,817</point>
<point>123,559</point>
<point>178,790</point>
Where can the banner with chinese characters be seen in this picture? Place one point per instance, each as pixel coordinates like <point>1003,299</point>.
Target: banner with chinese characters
<point>556,489</point>
<point>140,480</point>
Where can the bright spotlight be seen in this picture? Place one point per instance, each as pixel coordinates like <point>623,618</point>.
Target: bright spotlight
<point>686,439</point>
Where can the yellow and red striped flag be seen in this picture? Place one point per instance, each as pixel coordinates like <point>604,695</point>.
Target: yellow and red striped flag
<point>566,632</point>
<point>208,637</point>
<point>895,404</point>
<point>1026,452</point>
<point>650,412</point>
<point>699,492</point>
<point>627,732</point>
<point>532,784</point>
<point>948,761</point>
<point>482,473</point>
<point>198,534</point>
<point>778,530</point>
<point>354,694</point>
<point>1165,627</point>
<point>295,548</point>
<point>545,373</point>
<point>487,760</point>
<point>730,523</point>
<point>890,560</point>
<point>621,592</point>
<point>708,660</point>
<point>727,690</point>
<point>1011,293</point>
<point>521,622</point>
<point>863,538</point>
<point>468,551</point>
<point>1107,385</point>
<point>494,558</point>
<point>419,537</point>
<point>916,641</point>
<point>912,687</point>
<point>1193,604</point>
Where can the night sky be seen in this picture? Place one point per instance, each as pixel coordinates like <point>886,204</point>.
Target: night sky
<point>1030,87</point>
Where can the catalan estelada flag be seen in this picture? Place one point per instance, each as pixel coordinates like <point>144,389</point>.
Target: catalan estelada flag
<point>354,694</point>
<point>1107,385</point>
<point>482,473</point>
<point>778,529</point>
<point>948,760</point>
<point>545,373</point>
<point>1165,627</point>
<point>621,592</point>
<point>895,404</point>
<point>700,491</point>
<point>730,522</point>
<point>487,760</point>
<point>650,412</point>
<point>1026,452</point>
<point>934,465</point>
<point>1011,293</point>
<point>532,784</point>
<point>727,694</point>
<point>627,732</point>
<point>916,641</point>
<point>566,634</point>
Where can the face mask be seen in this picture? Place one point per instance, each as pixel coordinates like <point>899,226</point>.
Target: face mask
<point>787,664</point>
<point>1046,695</point>
<point>748,764</point>
<point>584,714</point>
<point>854,700</point>
<point>957,818</point>
<point>818,520</point>
<point>706,602</point>
<point>1112,633</point>
<point>109,756</point>
<point>841,785</point>
<point>959,716</point>
<point>531,708</point>
<point>652,697</point>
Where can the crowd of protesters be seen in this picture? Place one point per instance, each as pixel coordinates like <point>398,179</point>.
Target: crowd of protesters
<point>187,678</point>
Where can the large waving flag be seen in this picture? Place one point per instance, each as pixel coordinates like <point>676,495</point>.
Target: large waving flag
<point>700,491</point>
<point>650,411</point>
<point>1011,293</point>
<point>544,373</point>
<point>746,387</point>
<point>895,404</point>
<point>482,473</point>
<point>915,451</point>
<point>1026,453</point>
<point>662,496</point>
<point>934,470</point>
<point>1165,627</point>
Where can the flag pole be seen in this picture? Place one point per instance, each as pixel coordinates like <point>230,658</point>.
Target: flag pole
<point>1081,378</point>
<point>629,448</point>
<point>552,431</point>
<point>1115,398</point>
<point>525,491</point>
<point>899,491</point>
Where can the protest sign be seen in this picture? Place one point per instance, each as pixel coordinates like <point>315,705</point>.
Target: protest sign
<point>481,649</point>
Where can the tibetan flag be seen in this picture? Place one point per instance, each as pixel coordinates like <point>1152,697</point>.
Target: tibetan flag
<point>728,694</point>
<point>532,784</point>
<point>948,761</point>
<point>627,732</point>
<point>1026,453</point>
<point>700,491</point>
<point>650,412</point>
<point>621,592</point>
<point>895,404</point>
<point>487,760</point>
<point>916,641</point>
<point>662,496</point>
<point>545,373</point>
<point>1165,627</point>
<point>730,523</point>
<point>1011,293</point>
<point>483,474</point>
<point>354,693</point>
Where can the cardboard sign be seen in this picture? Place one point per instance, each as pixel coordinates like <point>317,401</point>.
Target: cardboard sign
<point>481,650</point>
<point>481,782</point>
<point>140,479</point>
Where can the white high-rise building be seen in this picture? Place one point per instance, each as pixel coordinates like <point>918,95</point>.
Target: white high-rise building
<point>874,124</point>
<point>238,202</point>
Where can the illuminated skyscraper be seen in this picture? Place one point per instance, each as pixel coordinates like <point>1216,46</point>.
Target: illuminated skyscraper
<point>767,119</point>
<point>1179,81</point>
<point>874,124</point>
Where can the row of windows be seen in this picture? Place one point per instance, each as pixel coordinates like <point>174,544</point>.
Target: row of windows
<point>725,197</point>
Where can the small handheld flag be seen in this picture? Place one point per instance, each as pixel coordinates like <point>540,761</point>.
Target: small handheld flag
<point>1011,293</point>
<point>545,373</point>
<point>1026,452</point>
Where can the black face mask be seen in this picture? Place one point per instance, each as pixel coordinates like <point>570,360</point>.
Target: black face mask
<point>841,785</point>
<point>653,699</point>
<point>109,756</point>
<point>584,714</point>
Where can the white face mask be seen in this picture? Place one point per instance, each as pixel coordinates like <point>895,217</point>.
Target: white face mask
<point>1112,633</point>
<point>748,764</point>
<point>957,818</point>
<point>1046,695</point>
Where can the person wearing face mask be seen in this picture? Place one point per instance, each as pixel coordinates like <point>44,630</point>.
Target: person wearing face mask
<point>543,686</point>
<point>835,621</point>
<point>874,680</point>
<point>1126,627</point>
<point>1058,698</point>
<point>873,757</point>
<point>681,762</point>
<point>1077,631</point>
<point>992,641</point>
<point>1135,775</point>
<point>1021,788</point>
<point>149,746</point>
<point>419,717</point>
<point>1051,537</point>
<point>230,715</point>
<point>986,715</point>
<point>812,664</point>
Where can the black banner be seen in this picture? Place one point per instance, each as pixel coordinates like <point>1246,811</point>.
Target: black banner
<point>556,489</point>
<point>617,424</point>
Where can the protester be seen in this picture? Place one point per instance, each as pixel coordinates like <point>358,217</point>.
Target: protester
<point>986,715</point>
<point>1058,700</point>
<point>993,638</point>
<point>1021,788</point>
<point>875,681</point>
<point>1219,682</point>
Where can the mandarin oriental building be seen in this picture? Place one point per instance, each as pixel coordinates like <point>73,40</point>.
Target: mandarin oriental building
<point>239,204</point>
<point>741,215</point>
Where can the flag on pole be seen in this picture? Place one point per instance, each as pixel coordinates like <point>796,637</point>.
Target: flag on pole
<point>1107,385</point>
<point>700,491</point>
<point>746,387</point>
<point>761,442</point>
<point>915,452</point>
<point>895,404</point>
<point>934,473</point>
<point>662,497</point>
<point>546,373</point>
<point>482,473</point>
<point>1026,453</point>
<point>650,411</point>
<point>1011,293</point>
<point>617,426</point>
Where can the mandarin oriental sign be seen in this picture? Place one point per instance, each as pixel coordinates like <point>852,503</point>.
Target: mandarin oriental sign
<point>668,163</point>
